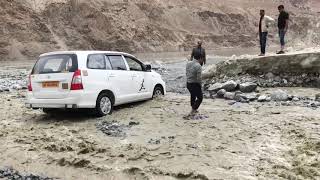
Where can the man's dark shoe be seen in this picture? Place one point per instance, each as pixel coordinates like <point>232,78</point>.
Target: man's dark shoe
<point>280,52</point>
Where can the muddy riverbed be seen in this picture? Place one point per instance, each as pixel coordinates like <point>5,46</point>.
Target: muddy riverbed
<point>242,141</point>
<point>151,140</point>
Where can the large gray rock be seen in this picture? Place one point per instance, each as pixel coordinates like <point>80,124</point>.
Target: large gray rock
<point>241,98</point>
<point>250,96</point>
<point>215,87</point>
<point>262,98</point>
<point>221,93</point>
<point>229,95</point>
<point>229,86</point>
<point>279,95</point>
<point>248,87</point>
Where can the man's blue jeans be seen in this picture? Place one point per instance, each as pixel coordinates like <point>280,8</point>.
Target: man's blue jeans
<point>282,34</point>
<point>263,41</point>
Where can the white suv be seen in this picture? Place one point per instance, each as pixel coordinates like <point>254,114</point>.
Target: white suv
<point>90,79</point>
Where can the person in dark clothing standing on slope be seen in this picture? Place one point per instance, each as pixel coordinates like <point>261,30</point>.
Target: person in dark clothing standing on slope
<point>283,23</point>
<point>194,84</point>
<point>199,53</point>
<point>263,30</point>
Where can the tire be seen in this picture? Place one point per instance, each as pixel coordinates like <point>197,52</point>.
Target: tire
<point>157,92</point>
<point>49,110</point>
<point>104,105</point>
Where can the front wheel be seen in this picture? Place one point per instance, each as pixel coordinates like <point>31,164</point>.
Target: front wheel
<point>104,105</point>
<point>157,92</point>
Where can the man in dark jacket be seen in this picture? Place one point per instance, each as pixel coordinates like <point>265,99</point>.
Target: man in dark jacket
<point>283,23</point>
<point>199,53</point>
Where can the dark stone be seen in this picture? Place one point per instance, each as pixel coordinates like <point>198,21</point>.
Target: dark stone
<point>248,87</point>
<point>215,87</point>
<point>229,95</point>
<point>229,86</point>
<point>132,123</point>
<point>221,93</point>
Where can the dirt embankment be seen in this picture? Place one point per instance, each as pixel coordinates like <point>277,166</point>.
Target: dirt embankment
<point>32,27</point>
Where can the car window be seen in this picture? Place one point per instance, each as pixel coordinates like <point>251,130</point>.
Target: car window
<point>133,65</point>
<point>96,61</point>
<point>117,63</point>
<point>108,64</point>
<point>56,64</point>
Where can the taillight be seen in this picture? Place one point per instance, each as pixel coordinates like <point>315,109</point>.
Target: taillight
<point>29,83</point>
<point>76,83</point>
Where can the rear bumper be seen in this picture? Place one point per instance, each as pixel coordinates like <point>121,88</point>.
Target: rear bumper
<point>57,106</point>
<point>75,100</point>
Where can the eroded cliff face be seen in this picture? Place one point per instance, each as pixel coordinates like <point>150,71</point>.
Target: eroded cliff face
<point>30,27</point>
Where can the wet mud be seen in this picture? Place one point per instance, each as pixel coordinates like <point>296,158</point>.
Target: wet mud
<point>246,141</point>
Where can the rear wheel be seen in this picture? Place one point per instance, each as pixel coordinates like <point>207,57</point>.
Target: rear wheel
<point>49,110</point>
<point>104,105</point>
<point>157,92</point>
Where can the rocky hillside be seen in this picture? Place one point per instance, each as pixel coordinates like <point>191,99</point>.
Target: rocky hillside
<point>31,27</point>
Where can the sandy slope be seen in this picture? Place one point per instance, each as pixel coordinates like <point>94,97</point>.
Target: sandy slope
<point>30,27</point>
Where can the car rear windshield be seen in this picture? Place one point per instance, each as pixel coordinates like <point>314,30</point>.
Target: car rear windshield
<point>61,63</point>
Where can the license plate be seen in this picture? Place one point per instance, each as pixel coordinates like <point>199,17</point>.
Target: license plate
<point>51,84</point>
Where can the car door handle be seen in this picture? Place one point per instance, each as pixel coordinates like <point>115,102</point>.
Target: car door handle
<point>112,75</point>
<point>134,75</point>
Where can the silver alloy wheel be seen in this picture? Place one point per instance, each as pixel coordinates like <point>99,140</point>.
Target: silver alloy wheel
<point>157,93</point>
<point>105,105</point>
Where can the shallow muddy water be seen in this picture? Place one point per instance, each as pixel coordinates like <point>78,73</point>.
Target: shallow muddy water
<point>151,140</point>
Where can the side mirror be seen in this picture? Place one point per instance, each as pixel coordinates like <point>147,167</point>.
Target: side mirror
<point>148,67</point>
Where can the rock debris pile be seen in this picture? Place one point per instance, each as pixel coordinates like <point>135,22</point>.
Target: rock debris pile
<point>11,174</point>
<point>13,80</point>
<point>114,128</point>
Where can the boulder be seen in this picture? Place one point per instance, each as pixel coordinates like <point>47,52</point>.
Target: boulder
<point>232,102</point>
<point>209,71</point>
<point>277,79</point>
<point>279,95</point>
<point>269,75</point>
<point>240,98</point>
<point>215,87</point>
<point>229,86</point>
<point>221,93</point>
<point>248,87</point>
<point>250,96</point>
<point>262,98</point>
<point>295,99</point>
<point>317,97</point>
<point>268,99</point>
<point>229,95</point>
<point>207,95</point>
